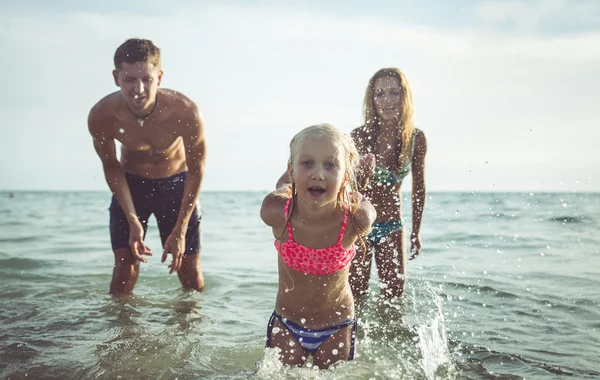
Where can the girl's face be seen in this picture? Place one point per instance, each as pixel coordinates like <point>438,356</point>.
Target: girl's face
<point>387,98</point>
<point>318,170</point>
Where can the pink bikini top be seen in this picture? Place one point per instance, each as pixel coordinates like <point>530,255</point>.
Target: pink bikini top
<point>312,260</point>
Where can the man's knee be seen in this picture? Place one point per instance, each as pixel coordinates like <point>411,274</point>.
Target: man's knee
<point>125,262</point>
<point>190,273</point>
<point>125,272</point>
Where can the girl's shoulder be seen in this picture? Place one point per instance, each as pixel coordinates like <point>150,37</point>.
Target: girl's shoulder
<point>272,210</point>
<point>364,215</point>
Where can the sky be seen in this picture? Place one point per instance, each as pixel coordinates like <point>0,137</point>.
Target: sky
<point>505,91</point>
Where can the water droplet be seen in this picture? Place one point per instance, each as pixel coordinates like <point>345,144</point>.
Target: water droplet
<point>303,320</point>
<point>334,351</point>
<point>121,130</point>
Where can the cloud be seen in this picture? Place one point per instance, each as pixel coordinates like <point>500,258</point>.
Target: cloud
<point>261,74</point>
<point>549,16</point>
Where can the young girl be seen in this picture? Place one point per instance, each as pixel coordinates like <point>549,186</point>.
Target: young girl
<point>316,220</point>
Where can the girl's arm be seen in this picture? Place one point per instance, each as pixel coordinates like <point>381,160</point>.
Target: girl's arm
<point>272,210</point>
<point>365,216</point>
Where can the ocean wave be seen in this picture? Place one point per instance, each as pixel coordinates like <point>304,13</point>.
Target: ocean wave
<point>23,239</point>
<point>485,289</point>
<point>21,263</point>
<point>485,358</point>
<point>571,219</point>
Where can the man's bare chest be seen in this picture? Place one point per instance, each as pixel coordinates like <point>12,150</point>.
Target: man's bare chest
<point>150,135</point>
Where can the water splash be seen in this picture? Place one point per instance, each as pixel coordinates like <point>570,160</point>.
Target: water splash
<point>432,336</point>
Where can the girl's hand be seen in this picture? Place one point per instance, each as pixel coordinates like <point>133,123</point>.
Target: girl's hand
<point>365,169</point>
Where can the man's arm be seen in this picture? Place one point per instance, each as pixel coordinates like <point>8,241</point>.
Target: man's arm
<point>104,145</point>
<point>195,152</point>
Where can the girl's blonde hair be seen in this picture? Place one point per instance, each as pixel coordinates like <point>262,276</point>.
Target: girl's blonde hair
<point>406,125</point>
<point>345,198</point>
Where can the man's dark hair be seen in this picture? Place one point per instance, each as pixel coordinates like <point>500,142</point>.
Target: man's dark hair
<point>136,50</point>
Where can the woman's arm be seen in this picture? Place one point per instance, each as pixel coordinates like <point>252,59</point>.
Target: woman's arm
<point>418,192</point>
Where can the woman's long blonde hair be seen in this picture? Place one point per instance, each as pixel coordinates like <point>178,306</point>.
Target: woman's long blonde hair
<point>406,125</point>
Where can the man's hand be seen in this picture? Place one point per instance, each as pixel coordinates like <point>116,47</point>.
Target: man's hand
<point>415,245</point>
<point>136,241</point>
<point>174,245</point>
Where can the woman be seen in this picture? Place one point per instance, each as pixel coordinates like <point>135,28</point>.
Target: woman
<point>399,149</point>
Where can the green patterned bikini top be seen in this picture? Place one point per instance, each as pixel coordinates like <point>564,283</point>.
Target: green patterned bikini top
<point>385,177</point>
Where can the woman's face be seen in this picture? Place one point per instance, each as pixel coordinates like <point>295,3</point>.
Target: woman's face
<point>387,98</point>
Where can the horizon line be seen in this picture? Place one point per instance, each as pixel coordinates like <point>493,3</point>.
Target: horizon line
<point>266,191</point>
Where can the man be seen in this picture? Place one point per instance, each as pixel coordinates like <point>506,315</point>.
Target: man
<point>160,169</point>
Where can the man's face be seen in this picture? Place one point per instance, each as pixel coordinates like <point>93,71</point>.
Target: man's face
<point>139,84</point>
